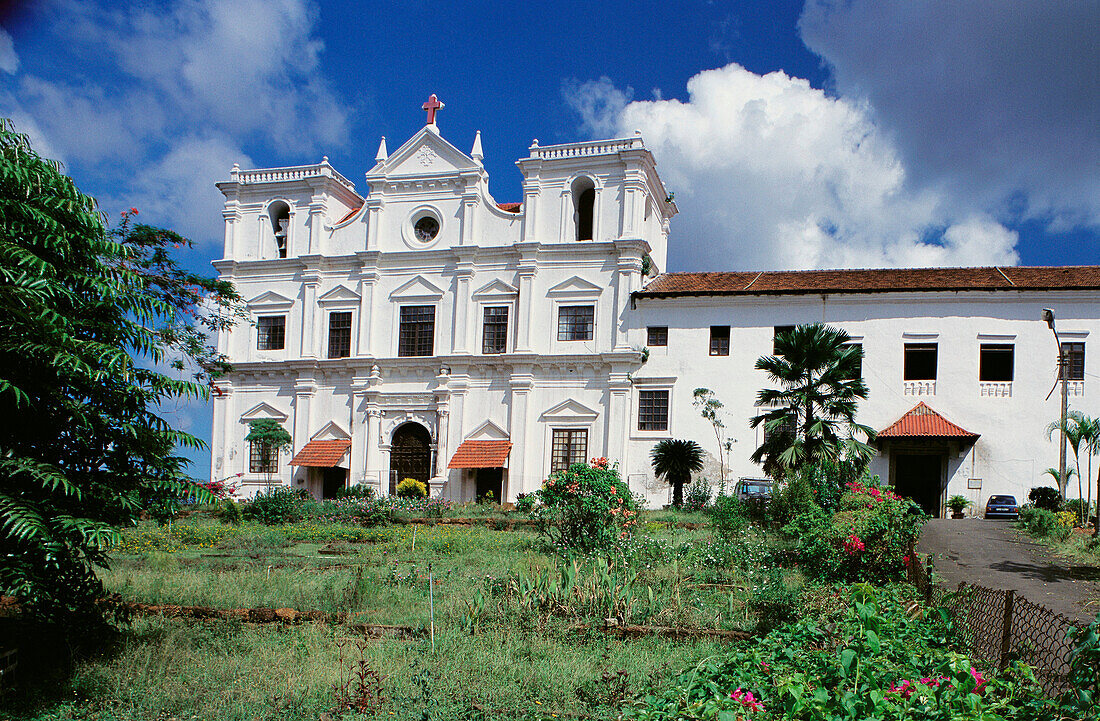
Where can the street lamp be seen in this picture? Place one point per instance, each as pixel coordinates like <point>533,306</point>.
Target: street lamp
<point>1048,316</point>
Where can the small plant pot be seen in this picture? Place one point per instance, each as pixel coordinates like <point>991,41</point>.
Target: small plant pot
<point>957,514</point>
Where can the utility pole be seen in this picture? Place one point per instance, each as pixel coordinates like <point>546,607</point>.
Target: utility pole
<point>1048,316</point>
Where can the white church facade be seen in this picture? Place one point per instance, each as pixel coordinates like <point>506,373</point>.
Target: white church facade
<point>422,329</point>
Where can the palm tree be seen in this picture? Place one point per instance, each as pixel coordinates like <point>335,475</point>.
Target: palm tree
<point>1074,437</point>
<point>676,460</point>
<point>1057,476</point>
<point>814,409</point>
<point>1090,444</point>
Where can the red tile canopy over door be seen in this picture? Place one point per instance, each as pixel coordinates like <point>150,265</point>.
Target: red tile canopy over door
<point>321,454</point>
<point>481,454</point>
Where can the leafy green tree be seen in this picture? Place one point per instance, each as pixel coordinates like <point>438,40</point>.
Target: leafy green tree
<point>709,407</point>
<point>272,438</point>
<point>812,416</point>
<point>676,460</point>
<point>87,315</point>
<point>1075,436</point>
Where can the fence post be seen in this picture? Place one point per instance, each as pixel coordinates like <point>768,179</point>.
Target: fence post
<point>1006,629</point>
<point>928,582</point>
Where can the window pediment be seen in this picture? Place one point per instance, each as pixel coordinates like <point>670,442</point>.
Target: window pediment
<point>331,431</point>
<point>488,431</point>
<point>419,288</point>
<point>495,290</point>
<point>269,301</point>
<point>341,294</point>
<point>569,411</point>
<point>262,411</point>
<point>575,287</point>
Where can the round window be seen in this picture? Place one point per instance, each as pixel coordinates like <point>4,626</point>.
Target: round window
<point>426,229</point>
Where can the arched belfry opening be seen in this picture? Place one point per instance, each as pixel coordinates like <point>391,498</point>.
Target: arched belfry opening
<point>279,216</point>
<point>410,454</point>
<point>584,201</point>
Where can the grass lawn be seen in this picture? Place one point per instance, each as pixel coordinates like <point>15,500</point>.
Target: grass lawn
<point>506,660</point>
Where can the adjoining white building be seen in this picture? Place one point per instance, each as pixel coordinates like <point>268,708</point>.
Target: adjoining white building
<point>424,330</point>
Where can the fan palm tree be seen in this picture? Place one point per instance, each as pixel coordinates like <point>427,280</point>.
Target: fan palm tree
<point>813,411</point>
<point>1075,435</point>
<point>1090,444</point>
<point>676,460</point>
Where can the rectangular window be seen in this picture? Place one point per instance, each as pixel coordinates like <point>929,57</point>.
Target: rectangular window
<point>784,430</point>
<point>416,335</point>
<point>271,332</point>
<point>569,446</point>
<point>576,322</point>
<point>859,363</point>
<point>494,334</point>
<point>776,331</point>
<point>719,340</point>
<point>657,335</point>
<point>920,361</point>
<point>339,334</point>
<point>995,362</point>
<point>262,458</point>
<point>1075,361</point>
<point>653,410</point>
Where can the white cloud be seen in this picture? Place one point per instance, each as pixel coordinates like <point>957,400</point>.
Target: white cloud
<point>771,173</point>
<point>9,60</point>
<point>244,71</point>
<point>996,103</point>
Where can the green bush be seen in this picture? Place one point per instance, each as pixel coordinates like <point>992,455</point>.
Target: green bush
<point>728,515</point>
<point>525,502</point>
<point>1046,498</point>
<point>1041,523</point>
<point>876,662</point>
<point>360,491</point>
<point>793,497</point>
<point>586,508</point>
<point>230,512</point>
<point>868,539</point>
<point>279,505</point>
<point>412,488</point>
<point>1079,508</point>
<point>697,495</point>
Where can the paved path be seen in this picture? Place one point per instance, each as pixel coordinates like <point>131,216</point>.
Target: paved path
<point>994,554</point>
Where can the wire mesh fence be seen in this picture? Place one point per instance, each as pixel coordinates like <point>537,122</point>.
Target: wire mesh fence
<point>998,626</point>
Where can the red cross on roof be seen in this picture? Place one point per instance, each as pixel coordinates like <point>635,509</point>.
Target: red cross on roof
<point>431,107</point>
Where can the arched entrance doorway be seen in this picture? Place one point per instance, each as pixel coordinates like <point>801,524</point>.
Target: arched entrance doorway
<point>410,455</point>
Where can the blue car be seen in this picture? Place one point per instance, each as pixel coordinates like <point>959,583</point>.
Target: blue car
<point>1002,507</point>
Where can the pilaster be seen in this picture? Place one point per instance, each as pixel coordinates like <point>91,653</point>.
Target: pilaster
<point>310,281</point>
<point>618,416</point>
<point>367,280</point>
<point>522,381</point>
<point>464,273</point>
<point>526,272</point>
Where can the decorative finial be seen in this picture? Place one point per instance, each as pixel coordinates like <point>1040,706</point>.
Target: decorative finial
<point>431,107</point>
<point>535,143</point>
<point>476,153</point>
<point>324,159</point>
<point>382,153</point>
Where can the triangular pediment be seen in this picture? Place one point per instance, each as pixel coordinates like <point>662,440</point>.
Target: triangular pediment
<point>339,294</point>
<point>425,153</point>
<point>569,410</point>
<point>270,299</point>
<point>575,286</point>
<point>419,287</point>
<point>488,431</point>
<point>331,431</point>
<point>495,288</point>
<point>263,410</point>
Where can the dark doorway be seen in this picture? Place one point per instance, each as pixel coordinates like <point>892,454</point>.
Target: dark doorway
<point>332,481</point>
<point>410,455</point>
<point>920,477</point>
<point>490,480</point>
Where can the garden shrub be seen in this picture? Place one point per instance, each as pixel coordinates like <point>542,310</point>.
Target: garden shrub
<point>412,488</point>
<point>360,491</point>
<point>1078,508</point>
<point>773,601</point>
<point>1046,498</point>
<point>586,508</point>
<point>697,495</point>
<point>230,512</point>
<point>1041,523</point>
<point>791,498</point>
<point>728,515</point>
<point>278,505</point>
<point>876,662</point>
<point>868,539</point>
<point>525,502</point>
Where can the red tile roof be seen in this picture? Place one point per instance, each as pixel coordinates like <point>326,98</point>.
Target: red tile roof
<point>923,422</point>
<point>321,454</point>
<point>510,207</point>
<point>777,282</point>
<point>481,454</point>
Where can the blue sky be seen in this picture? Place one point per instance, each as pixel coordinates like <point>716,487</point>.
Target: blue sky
<point>825,133</point>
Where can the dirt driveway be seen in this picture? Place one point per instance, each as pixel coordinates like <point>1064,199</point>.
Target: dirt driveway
<point>992,553</point>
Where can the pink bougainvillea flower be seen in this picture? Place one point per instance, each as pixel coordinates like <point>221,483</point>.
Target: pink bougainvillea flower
<point>747,700</point>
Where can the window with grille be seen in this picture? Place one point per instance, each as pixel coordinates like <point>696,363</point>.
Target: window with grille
<point>271,332</point>
<point>920,361</point>
<point>657,335</point>
<point>494,333</point>
<point>568,446</point>
<point>339,335</point>
<point>653,410</point>
<point>778,331</point>
<point>1075,361</point>
<point>719,340</point>
<point>416,335</point>
<point>262,458</point>
<point>859,359</point>
<point>995,362</point>
<point>784,430</point>
<point>575,322</point>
